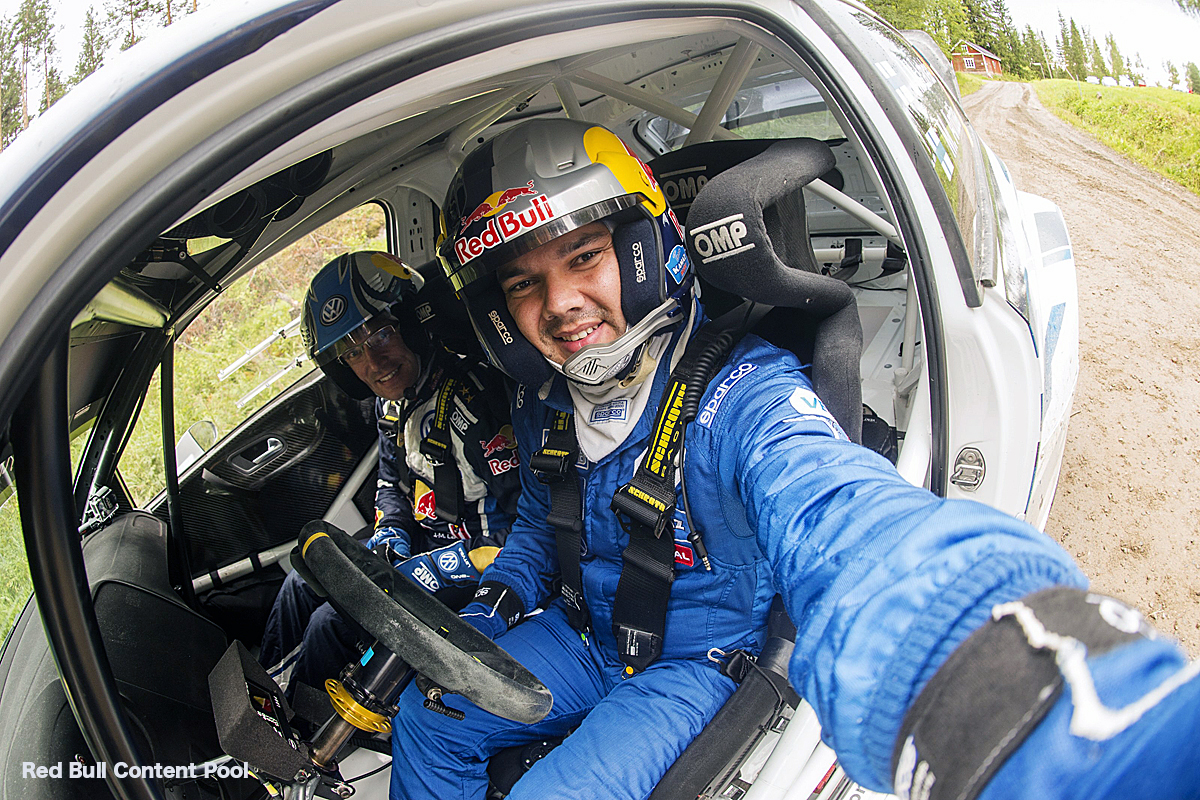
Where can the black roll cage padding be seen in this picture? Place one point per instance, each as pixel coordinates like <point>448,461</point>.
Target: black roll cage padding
<point>52,544</point>
<point>179,568</point>
<point>416,627</point>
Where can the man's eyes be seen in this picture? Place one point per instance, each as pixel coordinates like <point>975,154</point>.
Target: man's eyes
<point>517,287</point>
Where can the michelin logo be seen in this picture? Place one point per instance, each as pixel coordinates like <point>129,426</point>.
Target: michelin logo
<point>709,412</point>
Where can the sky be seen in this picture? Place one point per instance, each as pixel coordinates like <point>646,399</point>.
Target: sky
<point>1156,29</point>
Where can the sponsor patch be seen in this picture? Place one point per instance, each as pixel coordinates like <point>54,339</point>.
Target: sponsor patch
<point>677,264</point>
<point>639,263</point>
<point>684,555</point>
<point>811,408</point>
<point>424,312</point>
<point>459,422</point>
<point>501,328</point>
<point>426,578</point>
<point>424,503</point>
<point>503,440</point>
<point>721,239</point>
<point>502,227</point>
<point>499,466</point>
<point>333,309</point>
<point>447,561</point>
<point>458,531</point>
<point>612,411</point>
<point>709,412</point>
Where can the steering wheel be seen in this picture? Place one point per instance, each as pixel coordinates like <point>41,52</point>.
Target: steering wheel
<point>419,629</point>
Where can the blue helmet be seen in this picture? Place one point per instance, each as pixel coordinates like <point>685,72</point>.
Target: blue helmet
<point>347,293</point>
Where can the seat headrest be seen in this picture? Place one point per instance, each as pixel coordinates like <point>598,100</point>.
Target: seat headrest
<point>731,245</point>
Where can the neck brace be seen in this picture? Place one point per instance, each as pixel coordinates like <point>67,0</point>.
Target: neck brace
<point>606,414</point>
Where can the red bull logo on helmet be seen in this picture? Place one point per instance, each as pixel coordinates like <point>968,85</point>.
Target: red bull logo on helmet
<point>495,202</point>
<point>502,226</point>
<point>504,440</point>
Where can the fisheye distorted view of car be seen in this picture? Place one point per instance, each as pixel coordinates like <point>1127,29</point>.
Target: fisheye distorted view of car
<point>172,428</point>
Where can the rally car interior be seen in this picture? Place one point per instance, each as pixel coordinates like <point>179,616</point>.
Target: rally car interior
<point>177,583</point>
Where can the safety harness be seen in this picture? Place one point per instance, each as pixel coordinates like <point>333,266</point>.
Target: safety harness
<point>645,506</point>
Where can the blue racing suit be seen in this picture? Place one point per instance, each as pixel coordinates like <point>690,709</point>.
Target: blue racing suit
<point>882,579</point>
<point>305,638</point>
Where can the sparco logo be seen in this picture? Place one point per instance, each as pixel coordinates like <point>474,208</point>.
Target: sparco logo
<point>501,328</point>
<point>720,239</point>
<point>333,309</point>
<point>639,262</point>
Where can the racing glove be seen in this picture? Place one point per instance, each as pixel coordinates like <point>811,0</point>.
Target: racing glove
<point>448,566</point>
<point>1062,694</point>
<point>391,543</point>
<point>494,610</point>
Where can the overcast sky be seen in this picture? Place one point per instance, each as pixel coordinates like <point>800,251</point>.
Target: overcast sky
<point>1156,29</point>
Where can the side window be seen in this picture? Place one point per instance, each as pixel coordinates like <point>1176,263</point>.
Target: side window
<point>243,350</point>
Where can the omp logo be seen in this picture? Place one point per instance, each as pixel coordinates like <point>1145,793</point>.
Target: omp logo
<point>459,422</point>
<point>501,328</point>
<point>720,239</point>
<point>680,186</point>
<point>423,575</point>
<point>333,309</point>
<point>639,263</point>
<point>424,312</point>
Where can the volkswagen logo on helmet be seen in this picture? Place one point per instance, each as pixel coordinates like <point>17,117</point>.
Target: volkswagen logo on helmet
<point>333,309</point>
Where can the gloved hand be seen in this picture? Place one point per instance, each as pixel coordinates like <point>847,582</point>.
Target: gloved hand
<point>484,619</point>
<point>391,543</point>
<point>448,566</point>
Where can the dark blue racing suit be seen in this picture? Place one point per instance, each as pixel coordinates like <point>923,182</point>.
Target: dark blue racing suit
<point>882,579</point>
<point>305,638</point>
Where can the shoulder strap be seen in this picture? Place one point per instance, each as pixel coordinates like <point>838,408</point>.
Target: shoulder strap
<point>646,505</point>
<point>554,465</point>
<point>436,446</point>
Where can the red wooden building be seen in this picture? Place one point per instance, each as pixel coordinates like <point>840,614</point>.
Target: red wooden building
<point>969,57</point>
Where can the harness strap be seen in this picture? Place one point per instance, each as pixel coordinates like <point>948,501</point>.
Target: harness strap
<point>436,446</point>
<point>554,465</point>
<point>645,506</point>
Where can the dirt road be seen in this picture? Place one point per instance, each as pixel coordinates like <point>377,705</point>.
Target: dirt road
<point>1128,503</point>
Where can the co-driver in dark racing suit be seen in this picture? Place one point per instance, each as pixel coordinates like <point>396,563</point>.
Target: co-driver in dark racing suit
<point>948,649</point>
<point>360,325</point>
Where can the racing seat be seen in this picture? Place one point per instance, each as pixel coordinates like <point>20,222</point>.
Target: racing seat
<point>742,206</point>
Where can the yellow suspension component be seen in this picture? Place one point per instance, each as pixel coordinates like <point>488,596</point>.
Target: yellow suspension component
<point>353,712</point>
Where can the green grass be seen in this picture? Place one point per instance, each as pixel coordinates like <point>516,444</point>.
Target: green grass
<point>967,83</point>
<point>1158,128</point>
<point>264,300</point>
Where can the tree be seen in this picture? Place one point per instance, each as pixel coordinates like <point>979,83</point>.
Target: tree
<point>1191,6</point>
<point>91,50</point>
<point>1172,72</point>
<point>1099,68</point>
<point>1193,76</point>
<point>129,18</point>
<point>1076,53</point>
<point>10,84</point>
<point>53,88</point>
<point>1119,67</point>
<point>945,22</point>
<point>1137,71</point>
<point>32,31</point>
<point>172,10</point>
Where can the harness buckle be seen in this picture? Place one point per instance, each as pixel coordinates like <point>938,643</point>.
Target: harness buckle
<point>550,465</point>
<point>637,646</point>
<point>634,505</point>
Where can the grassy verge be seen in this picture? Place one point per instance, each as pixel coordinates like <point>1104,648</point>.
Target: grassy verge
<point>1158,128</point>
<point>967,83</point>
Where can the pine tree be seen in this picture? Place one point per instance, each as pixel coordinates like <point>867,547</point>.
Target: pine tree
<point>10,84</point>
<point>173,10</point>
<point>1191,6</point>
<point>91,50</point>
<point>1193,76</point>
<point>1119,67</point>
<point>1172,72</point>
<point>1098,67</point>
<point>1076,53</point>
<point>53,89</point>
<point>32,31</point>
<point>129,18</point>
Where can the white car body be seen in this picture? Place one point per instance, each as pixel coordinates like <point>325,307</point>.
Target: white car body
<point>981,394</point>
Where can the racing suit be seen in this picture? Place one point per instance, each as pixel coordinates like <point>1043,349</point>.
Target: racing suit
<point>882,579</point>
<point>305,638</point>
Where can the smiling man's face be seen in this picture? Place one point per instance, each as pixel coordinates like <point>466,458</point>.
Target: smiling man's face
<point>387,368</point>
<point>566,294</point>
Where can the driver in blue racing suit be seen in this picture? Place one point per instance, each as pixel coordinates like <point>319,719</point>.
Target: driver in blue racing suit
<point>360,324</point>
<point>948,649</point>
